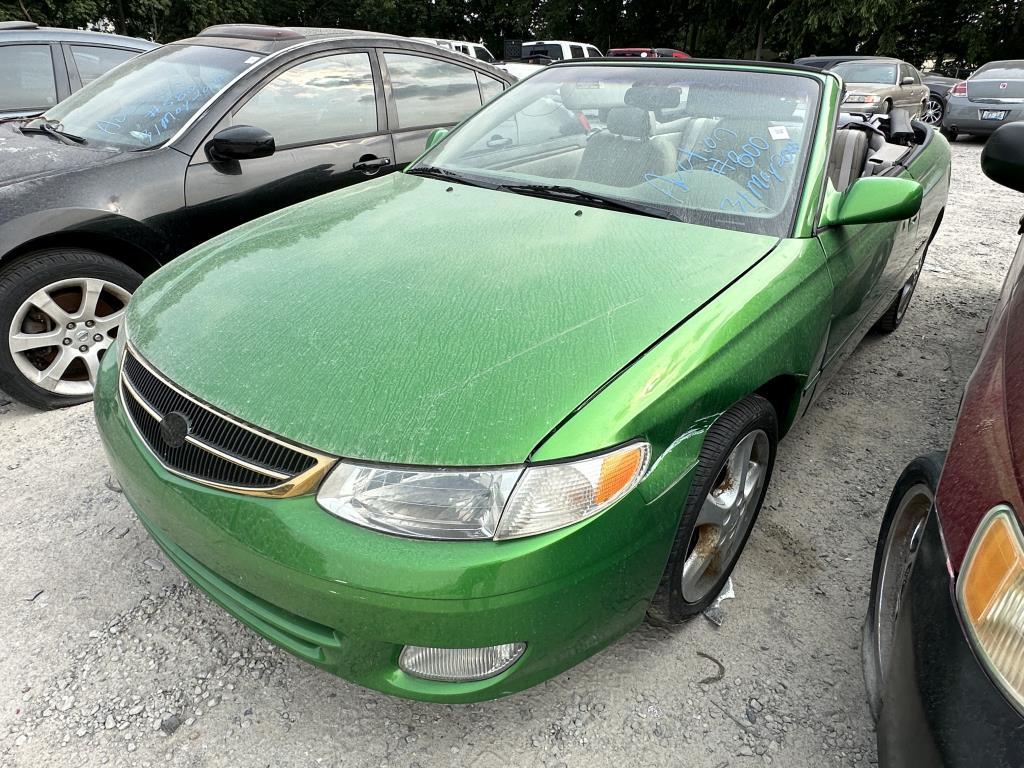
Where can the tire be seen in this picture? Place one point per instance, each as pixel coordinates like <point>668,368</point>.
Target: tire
<point>752,420</point>
<point>72,297</point>
<point>886,107</point>
<point>902,527</point>
<point>897,310</point>
<point>934,109</point>
<point>950,134</point>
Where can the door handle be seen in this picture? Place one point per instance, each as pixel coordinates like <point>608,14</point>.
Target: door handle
<point>370,163</point>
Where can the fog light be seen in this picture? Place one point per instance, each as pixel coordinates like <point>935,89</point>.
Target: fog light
<point>459,665</point>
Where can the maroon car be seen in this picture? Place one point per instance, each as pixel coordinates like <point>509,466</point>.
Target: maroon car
<point>944,636</point>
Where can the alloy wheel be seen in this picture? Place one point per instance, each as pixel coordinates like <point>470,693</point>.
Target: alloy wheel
<point>726,516</point>
<point>932,111</point>
<point>60,333</point>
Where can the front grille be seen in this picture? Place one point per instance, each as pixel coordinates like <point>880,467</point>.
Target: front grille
<point>214,449</point>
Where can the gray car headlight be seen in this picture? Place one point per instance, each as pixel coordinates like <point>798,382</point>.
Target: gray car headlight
<point>499,503</point>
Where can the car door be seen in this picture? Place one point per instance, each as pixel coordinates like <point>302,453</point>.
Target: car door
<point>911,94</point>
<point>858,257</point>
<point>327,118</point>
<point>32,78</point>
<point>427,92</point>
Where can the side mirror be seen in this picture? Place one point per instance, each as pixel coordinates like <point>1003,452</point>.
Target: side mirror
<point>908,80</point>
<point>1002,159</point>
<point>435,137</point>
<point>240,142</point>
<point>873,200</point>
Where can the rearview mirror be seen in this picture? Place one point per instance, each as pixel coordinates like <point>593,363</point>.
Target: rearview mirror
<point>1002,159</point>
<point>240,142</point>
<point>873,200</point>
<point>436,137</point>
<point>908,80</point>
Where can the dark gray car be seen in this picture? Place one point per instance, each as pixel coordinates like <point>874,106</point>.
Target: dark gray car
<point>181,144</point>
<point>994,96</point>
<point>41,66</point>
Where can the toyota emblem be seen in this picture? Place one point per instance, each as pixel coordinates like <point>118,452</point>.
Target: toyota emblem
<point>174,428</point>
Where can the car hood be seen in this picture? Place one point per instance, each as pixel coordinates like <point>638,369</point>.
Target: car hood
<point>25,156</point>
<point>411,321</point>
<point>877,89</point>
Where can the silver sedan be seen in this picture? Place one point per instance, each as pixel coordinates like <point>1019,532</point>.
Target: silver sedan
<point>877,86</point>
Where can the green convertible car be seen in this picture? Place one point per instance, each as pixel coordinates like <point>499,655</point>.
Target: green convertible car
<point>451,431</point>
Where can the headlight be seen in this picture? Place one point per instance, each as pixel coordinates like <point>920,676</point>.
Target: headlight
<point>500,503</point>
<point>860,98</point>
<point>990,590</point>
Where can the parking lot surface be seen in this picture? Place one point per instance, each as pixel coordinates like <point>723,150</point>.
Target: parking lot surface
<point>109,657</point>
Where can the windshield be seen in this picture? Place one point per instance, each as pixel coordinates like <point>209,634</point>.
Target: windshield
<point>866,72</point>
<point>144,102</point>
<point>719,147</point>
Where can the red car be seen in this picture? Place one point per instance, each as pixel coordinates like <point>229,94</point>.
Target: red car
<point>653,53</point>
<point>944,636</point>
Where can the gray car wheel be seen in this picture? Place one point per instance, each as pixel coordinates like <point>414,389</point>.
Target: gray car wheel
<point>934,108</point>
<point>61,310</point>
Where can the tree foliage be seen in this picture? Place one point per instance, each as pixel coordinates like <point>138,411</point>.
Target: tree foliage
<point>959,34</point>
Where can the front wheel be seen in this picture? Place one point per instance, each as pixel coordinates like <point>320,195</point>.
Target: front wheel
<point>728,487</point>
<point>902,527</point>
<point>933,110</point>
<point>61,309</point>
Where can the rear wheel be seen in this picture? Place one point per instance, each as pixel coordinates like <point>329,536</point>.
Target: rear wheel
<point>896,311</point>
<point>726,493</point>
<point>60,309</point>
<point>898,540</point>
<point>950,134</point>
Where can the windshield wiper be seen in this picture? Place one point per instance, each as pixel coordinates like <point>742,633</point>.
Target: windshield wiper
<point>573,195</point>
<point>53,129</point>
<point>436,172</point>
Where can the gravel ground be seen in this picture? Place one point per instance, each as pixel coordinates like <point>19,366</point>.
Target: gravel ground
<point>110,657</point>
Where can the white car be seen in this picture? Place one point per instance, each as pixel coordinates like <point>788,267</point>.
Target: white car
<point>473,50</point>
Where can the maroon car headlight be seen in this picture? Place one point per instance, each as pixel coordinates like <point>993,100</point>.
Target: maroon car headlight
<point>990,590</point>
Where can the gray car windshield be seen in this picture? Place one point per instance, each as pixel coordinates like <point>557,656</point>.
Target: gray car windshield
<point>866,72</point>
<point>143,102</point>
<point>720,147</point>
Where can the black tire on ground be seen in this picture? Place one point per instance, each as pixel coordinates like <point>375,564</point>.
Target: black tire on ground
<point>886,107</point>
<point>949,133</point>
<point>27,274</point>
<point>902,526</point>
<point>752,413</point>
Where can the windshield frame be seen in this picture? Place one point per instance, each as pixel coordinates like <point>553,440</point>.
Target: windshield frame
<point>815,122</point>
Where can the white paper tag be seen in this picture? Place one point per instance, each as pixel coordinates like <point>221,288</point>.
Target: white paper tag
<point>252,60</point>
<point>778,132</point>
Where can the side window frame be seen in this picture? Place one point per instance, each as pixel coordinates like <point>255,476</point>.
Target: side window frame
<point>284,66</point>
<point>61,87</point>
<point>392,105</point>
<point>582,54</point>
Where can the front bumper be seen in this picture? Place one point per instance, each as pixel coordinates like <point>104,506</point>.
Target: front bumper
<point>964,116</point>
<point>348,599</point>
<point>940,709</point>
